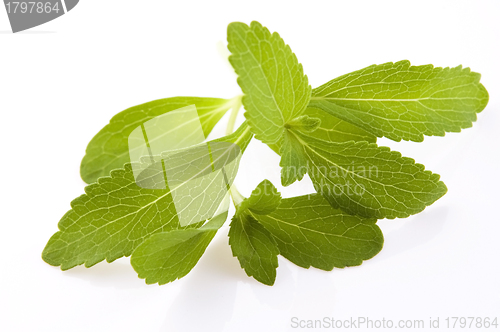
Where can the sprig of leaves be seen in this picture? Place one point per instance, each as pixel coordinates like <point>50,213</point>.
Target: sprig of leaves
<point>329,133</point>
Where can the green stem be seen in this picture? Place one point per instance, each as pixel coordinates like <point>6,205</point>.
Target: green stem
<point>234,114</point>
<point>235,194</point>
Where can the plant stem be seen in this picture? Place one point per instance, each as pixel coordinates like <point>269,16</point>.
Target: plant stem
<point>234,114</point>
<point>235,194</point>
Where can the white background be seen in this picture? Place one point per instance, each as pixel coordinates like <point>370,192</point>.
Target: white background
<point>61,82</point>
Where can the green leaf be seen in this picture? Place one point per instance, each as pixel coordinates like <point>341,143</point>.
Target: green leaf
<point>309,232</point>
<point>400,101</point>
<point>293,162</point>
<point>264,199</point>
<point>168,256</point>
<point>116,215</point>
<point>331,129</point>
<point>317,124</point>
<point>275,87</point>
<point>254,247</point>
<point>334,129</point>
<point>108,149</point>
<point>304,123</point>
<point>364,179</point>
<point>250,242</point>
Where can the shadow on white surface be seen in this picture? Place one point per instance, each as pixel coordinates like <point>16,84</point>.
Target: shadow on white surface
<point>118,275</point>
<point>209,297</point>
<point>314,293</point>
<point>207,294</point>
<point>414,232</point>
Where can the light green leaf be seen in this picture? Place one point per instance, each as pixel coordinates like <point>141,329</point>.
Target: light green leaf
<point>331,129</point>
<point>264,199</point>
<point>250,242</point>
<point>334,129</point>
<point>364,179</point>
<point>275,87</point>
<point>317,124</point>
<point>293,163</point>
<point>400,101</point>
<point>116,215</point>
<point>309,232</point>
<point>254,247</point>
<point>168,256</point>
<point>108,149</point>
<point>304,123</point>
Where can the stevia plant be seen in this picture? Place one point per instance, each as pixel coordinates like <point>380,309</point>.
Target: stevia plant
<point>329,132</point>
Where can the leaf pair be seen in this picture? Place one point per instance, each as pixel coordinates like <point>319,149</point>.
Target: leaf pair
<point>306,230</point>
